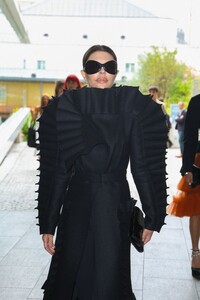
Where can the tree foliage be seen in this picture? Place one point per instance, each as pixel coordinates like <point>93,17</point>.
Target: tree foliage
<point>160,68</point>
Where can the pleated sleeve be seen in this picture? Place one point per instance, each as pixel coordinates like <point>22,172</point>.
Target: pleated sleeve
<point>64,135</point>
<point>53,174</point>
<point>148,166</point>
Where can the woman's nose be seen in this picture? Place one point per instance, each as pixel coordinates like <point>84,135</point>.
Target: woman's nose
<point>102,70</point>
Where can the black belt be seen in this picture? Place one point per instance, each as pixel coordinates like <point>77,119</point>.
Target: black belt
<point>100,177</point>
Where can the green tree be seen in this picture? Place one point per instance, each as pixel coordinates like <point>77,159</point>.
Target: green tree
<point>161,68</point>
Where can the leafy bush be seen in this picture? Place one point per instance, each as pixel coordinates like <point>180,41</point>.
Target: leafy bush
<point>26,126</point>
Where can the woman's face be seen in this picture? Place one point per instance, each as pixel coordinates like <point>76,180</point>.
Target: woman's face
<point>101,79</point>
<point>72,85</point>
<point>45,100</point>
<point>60,90</point>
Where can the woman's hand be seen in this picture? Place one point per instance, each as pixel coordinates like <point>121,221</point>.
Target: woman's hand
<point>189,177</point>
<point>146,236</point>
<point>48,243</point>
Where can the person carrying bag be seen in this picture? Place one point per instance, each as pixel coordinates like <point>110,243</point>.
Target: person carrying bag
<point>31,138</point>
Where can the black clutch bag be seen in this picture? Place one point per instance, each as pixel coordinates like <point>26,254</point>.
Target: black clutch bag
<point>196,176</point>
<point>137,227</point>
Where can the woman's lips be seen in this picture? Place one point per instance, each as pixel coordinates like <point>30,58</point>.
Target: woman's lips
<point>102,80</point>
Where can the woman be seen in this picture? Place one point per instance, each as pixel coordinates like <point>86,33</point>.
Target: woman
<point>32,138</point>
<point>180,123</point>
<point>87,139</point>
<point>72,82</point>
<point>59,86</point>
<point>36,113</point>
<point>187,201</point>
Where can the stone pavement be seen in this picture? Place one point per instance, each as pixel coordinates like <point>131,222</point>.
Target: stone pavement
<point>162,272</point>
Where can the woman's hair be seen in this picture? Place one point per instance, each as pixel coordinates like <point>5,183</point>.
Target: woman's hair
<point>98,48</point>
<point>44,99</point>
<point>58,86</point>
<point>73,78</point>
<point>39,109</point>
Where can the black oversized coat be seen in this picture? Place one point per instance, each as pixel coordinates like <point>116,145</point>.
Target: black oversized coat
<point>191,134</point>
<point>87,139</point>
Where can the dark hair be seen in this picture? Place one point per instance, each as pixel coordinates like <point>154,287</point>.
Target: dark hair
<point>98,48</point>
<point>59,84</point>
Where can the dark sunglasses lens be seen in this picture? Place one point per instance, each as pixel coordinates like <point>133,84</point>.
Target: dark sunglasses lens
<point>111,67</point>
<point>92,67</point>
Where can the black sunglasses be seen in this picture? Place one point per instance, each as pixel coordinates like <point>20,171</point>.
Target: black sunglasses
<point>93,66</point>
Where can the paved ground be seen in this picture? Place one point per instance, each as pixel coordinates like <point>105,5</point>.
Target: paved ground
<point>162,272</point>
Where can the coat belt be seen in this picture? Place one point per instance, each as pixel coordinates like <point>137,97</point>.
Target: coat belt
<point>100,177</point>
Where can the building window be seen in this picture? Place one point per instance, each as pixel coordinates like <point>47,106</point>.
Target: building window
<point>41,65</point>
<point>130,68</point>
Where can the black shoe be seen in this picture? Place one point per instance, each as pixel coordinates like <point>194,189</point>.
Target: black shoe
<point>196,273</point>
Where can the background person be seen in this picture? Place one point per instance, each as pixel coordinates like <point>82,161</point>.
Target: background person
<point>187,201</point>
<point>37,111</point>
<point>154,93</point>
<point>59,86</point>
<point>169,125</point>
<point>72,83</point>
<point>87,137</point>
<point>180,123</point>
<point>36,114</point>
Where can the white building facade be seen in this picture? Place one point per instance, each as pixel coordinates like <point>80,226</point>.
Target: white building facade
<point>61,31</point>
